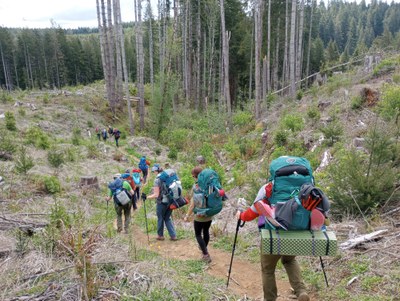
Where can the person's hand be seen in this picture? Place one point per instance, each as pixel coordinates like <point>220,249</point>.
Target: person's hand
<point>144,196</point>
<point>238,214</point>
<point>186,218</point>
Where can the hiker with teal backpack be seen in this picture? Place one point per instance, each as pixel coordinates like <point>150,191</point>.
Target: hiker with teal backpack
<point>121,192</point>
<point>164,212</point>
<point>206,202</point>
<point>144,167</point>
<point>279,204</point>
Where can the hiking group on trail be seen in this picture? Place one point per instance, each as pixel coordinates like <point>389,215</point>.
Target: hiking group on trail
<point>105,134</point>
<point>287,203</point>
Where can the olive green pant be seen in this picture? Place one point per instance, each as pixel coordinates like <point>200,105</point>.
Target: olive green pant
<point>268,266</point>
<point>127,213</point>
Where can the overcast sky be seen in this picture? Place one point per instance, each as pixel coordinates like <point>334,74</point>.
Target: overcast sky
<point>66,13</point>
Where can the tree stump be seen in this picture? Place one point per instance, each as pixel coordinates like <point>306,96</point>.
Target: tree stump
<point>89,182</point>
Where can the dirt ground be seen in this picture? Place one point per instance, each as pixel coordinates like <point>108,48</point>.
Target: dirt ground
<point>245,276</point>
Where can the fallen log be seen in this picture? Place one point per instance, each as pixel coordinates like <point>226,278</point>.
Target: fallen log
<point>351,243</point>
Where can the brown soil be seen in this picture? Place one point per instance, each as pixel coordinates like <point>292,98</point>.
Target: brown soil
<point>245,276</point>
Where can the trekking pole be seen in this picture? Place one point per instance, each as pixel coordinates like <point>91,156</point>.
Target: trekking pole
<point>323,270</point>
<point>145,216</point>
<point>239,224</point>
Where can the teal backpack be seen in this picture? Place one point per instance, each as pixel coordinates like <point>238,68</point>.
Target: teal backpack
<point>213,194</point>
<point>287,175</point>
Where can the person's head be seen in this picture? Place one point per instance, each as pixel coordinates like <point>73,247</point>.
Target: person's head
<point>116,176</point>
<point>196,171</point>
<point>156,168</point>
<point>200,160</point>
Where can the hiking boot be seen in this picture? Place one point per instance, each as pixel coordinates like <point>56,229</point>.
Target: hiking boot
<point>206,258</point>
<point>174,238</point>
<point>303,297</point>
<point>160,238</point>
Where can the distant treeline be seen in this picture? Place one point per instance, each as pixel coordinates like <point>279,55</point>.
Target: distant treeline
<point>48,58</point>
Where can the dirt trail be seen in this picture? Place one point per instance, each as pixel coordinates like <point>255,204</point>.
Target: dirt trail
<point>245,276</point>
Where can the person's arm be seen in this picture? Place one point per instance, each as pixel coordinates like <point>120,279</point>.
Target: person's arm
<point>251,212</point>
<point>190,210</point>
<point>155,194</point>
<point>109,195</point>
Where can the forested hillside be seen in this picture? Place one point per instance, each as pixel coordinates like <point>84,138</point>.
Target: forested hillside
<point>237,82</point>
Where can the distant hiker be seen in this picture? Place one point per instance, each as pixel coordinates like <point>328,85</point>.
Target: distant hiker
<point>201,223</point>
<point>144,167</point>
<point>89,133</point>
<point>201,161</point>
<point>121,192</point>
<point>116,134</point>
<point>104,134</point>
<point>110,130</point>
<point>163,211</point>
<point>290,180</point>
<point>98,133</point>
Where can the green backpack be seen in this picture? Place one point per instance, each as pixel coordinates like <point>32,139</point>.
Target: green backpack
<point>211,189</point>
<point>287,175</point>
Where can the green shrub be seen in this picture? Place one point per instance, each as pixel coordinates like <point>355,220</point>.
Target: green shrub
<point>294,123</point>
<point>281,137</point>
<point>55,157</point>
<point>52,184</point>
<point>70,154</point>
<point>299,94</point>
<point>176,138</point>
<point>6,97</point>
<point>22,112</point>
<point>158,151</point>
<point>357,102</point>
<point>89,124</point>
<point>242,118</point>
<point>360,181</point>
<point>390,103</point>
<point>46,98</point>
<point>11,124</point>
<point>59,216</point>
<point>92,151</point>
<point>35,136</point>
<point>7,144</point>
<point>76,136</point>
<point>332,132</point>
<point>384,66</point>
<point>396,78</point>
<point>173,153</point>
<point>23,162</point>
<point>313,113</point>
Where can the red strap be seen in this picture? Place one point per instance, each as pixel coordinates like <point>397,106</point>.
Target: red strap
<point>268,190</point>
<point>248,215</point>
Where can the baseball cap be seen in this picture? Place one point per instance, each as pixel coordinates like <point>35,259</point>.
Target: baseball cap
<point>156,167</point>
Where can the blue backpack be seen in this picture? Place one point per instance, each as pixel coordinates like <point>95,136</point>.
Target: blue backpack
<point>136,178</point>
<point>142,164</point>
<point>120,195</point>
<point>287,175</point>
<point>208,200</point>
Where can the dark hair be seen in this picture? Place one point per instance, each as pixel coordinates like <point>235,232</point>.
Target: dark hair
<point>196,171</point>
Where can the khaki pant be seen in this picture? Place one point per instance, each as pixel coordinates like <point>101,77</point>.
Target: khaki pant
<point>268,265</point>
<point>127,214</point>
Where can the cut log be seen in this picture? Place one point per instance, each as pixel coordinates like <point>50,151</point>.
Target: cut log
<point>89,182</point>
<point>351,243</point>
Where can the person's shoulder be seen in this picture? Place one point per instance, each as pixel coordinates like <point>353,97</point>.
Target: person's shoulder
<point>127,186</point>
